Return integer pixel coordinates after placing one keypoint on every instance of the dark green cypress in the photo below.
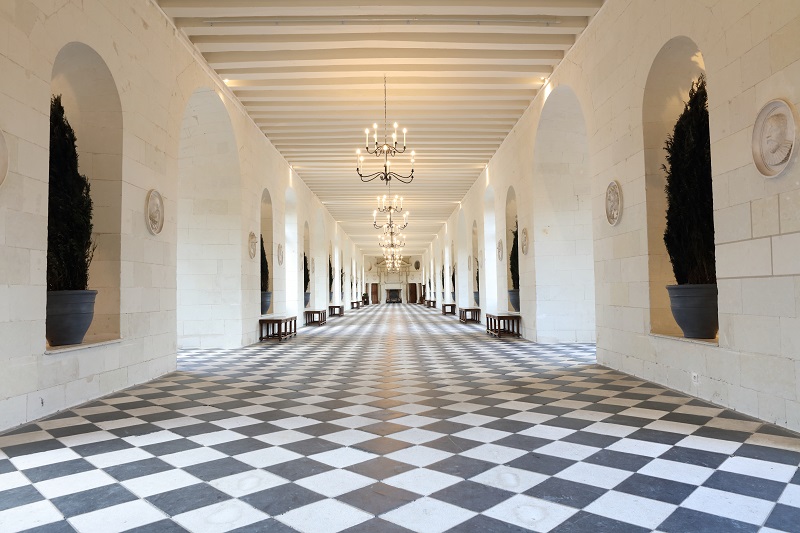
(513, 257)
(689, 235)
(69, 224)
(264, 268)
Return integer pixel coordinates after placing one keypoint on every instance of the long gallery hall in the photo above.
(430, 266)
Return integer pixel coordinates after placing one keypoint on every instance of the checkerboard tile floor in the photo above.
(398, 419)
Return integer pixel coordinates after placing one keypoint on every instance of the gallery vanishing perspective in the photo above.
(585, 214)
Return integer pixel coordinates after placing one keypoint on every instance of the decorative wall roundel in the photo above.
(416, 265)
(312, 265)
(369, 266)
(154, 212)
(280, 254)
(469, 263)
(252, 245)
(613, 203)
(524, 241)
(500, 249)
(774, 137)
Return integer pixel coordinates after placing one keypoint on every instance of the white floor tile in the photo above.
(730, 505)
(639, 447)
(61, 486)
(343, 457)
(348, 437)
(709, 445)
(494, 453)
(594, 475)
(161, 482)
(326, 516)
(416, 436)
(248, 482)
(152, 438)
(510, 479)
(220, 517)
(531, 513)
(757, 468)
(193, 457)
(547, 432)
(28, 516)
(120, 457)
(568, 450)
(287, 436)
(34, 460)
(419, 455)
(422, 481)
(642, 512)
(681, 472)
(117, 518)
(267, 457)
(12, 480)
(481, 434)
(335, 482)
(217, 437)
(428, 515)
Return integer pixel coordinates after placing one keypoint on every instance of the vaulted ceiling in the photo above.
(460, 73)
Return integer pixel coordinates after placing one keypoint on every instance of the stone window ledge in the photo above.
(95, 343)
(704, 342)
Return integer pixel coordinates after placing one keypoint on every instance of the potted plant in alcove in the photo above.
(70, 249)
(453, 284)
(442, 291)
(306, 281)
(330, 279)
(266, 295)
(341, 284)
(365, 298)
(689, 235)
(513, 265)
(477, 293)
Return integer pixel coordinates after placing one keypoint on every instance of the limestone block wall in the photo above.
(155, 75)
(750, 54)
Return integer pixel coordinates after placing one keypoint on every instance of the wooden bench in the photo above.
(277, 327)
(336, 310)
(315, 316)
(448, 309)
(430, 304)
(503, 323)
(355, 304)
(469, 314)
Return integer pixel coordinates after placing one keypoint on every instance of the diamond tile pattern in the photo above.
(398, 419)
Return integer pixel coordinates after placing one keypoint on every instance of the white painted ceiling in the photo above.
(310, 73)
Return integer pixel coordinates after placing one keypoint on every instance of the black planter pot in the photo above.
(365, 300)
(330, 297)
(306, 298)
(442, 295)
(513, 299)
(695, 309)
(477, 296)
(69, 315)
(453, 295)
(266, 301)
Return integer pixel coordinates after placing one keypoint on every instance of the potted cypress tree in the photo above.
(306, 281)
(689, 235)
(341, 285)
(330, 279)
(513, 265)
(70, 249)
(266, 295)
(442, 287)
(453, 284)
(477, 293)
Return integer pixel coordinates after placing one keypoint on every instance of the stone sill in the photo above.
(58, 350)
(704, 342)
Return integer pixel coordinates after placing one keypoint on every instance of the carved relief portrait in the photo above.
(773, 138)
(500, 249)
(154, 212)
(524, 241)
(280, 254)
(252, 245)
(613, 203)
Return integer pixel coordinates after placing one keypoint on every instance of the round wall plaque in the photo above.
(613, 203)
(312, 265)
(252, 245)
(774, 138)
(4, 162)
(280, 254)
(500, 249)
(416, 265)
(524, 241)
(469, 263)
(154, 212)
